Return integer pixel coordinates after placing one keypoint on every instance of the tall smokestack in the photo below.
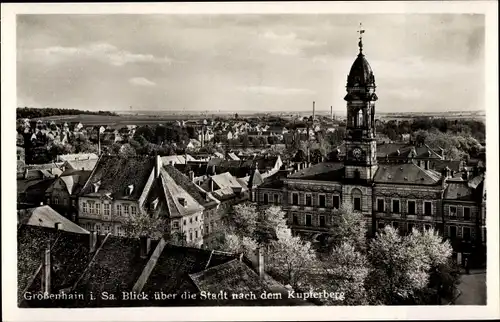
(331, 113)
(314, 110)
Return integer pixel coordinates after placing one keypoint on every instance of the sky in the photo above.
(248, 63)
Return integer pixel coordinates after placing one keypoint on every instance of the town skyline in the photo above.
(248, 62)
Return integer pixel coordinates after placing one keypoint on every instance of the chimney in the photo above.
(92, 241)
(331, 113)
(158, 165)
(213, 170)
(145, 246)
(41, 203)
(191, 175)
(58, 226)
(314, 110)
(46, 273)
(211, 185)
(260, 262)
(25, 173)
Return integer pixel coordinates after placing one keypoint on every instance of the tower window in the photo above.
(359, 119)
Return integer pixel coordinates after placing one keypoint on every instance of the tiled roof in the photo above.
(440, 165)
(325, 171)
(173, 193)
(171, 273)
(407, 173)
(116, 173)
(186, 184)
(69, 257)
(476, 181)
(115, 268)
(45, 216)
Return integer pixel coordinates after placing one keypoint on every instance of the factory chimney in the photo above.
(331, 113)
(313, 111)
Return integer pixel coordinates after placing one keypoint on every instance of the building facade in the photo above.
(406, 194)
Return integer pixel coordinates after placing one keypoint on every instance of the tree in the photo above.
(290, 259)
(345, 271)
(126, 150)
(236, 244)
(243, 219)
(271, 225)
(400, 268)
(348, 227)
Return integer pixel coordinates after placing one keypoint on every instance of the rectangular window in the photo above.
(276, 199)
(133, 210)
(336, 202)
(453, 212)
(175, 224)
(125, 210)
(466, 233)
(380, 224)
(395, 224)
(98, 208)
(428, 208)
(120, 231)
(207, 228)
(72, 202)
(322, 201)
(56, 201)
(410, 228)
(91, 207)
(308, 200)
(308, 220)
(467, 213)
(106, 229)
(84, 206)
(322, 222)
(453, 232)
(190, 236)
(266, 199)
(98, 228)
(119, 210)
(380, 205)
(191, 220)
(357, 203)
(295, 199)
(411, 207)
(295, 219)
(395, 206)
(107, 209)
(184, 222)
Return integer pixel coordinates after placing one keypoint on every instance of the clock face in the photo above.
(356, 153)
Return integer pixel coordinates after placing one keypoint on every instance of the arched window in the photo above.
(359, 119)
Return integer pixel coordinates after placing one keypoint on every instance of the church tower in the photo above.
(361, 147)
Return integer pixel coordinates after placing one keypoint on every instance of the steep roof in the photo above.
(407, 173)
(324, 171)
(45, 216)
(116, 173)
(186, 184)
(361, 73)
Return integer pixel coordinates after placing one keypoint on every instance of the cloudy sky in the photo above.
(247, 62)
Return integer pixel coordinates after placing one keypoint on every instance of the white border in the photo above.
(8, 80)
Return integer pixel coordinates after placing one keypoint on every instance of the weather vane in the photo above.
(361, 31)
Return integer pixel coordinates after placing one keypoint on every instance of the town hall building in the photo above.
(406, 195)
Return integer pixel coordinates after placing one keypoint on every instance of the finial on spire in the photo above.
(361, 31)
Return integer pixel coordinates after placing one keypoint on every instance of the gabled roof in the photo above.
(407, 173)
(116, 173)
(45, 216)
(183, 181)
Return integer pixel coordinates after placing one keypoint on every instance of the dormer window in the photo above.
(97, 185)
(183, 202)
(130, 189)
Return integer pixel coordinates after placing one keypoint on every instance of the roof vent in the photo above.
(406, 178)
(401, 168)
(389, 177)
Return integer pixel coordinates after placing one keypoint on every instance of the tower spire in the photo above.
(361, 31)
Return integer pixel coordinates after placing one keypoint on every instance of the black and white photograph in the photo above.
(176, 159)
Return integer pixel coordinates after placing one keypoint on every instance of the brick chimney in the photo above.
(191, 175)
(58, 226)
(145, 246)
(47, 268)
